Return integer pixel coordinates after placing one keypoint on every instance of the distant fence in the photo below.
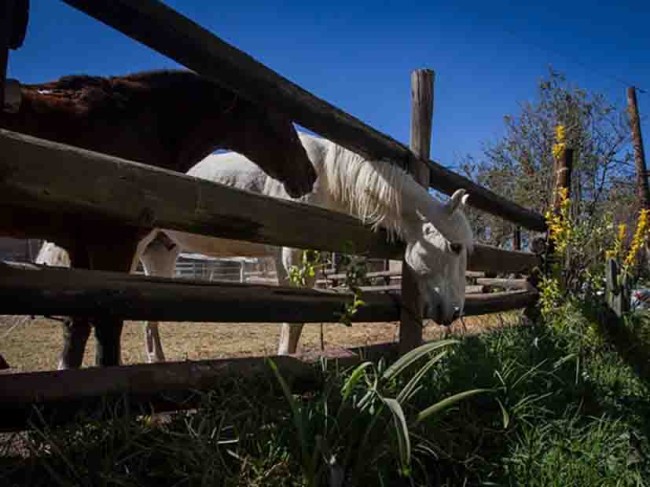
(27, 182)
(237, 269)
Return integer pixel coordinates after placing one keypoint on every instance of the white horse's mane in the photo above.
(373, 191)
(369, 190)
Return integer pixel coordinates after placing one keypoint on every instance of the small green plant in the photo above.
(355, 276)
(310, 262)
(356, 269)
(367, 419)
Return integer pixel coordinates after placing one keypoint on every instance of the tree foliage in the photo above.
(520, 166)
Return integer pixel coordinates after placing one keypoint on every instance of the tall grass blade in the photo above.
(402, 432)
(447, 402)
(504, 415)
(354, 378)
(413, 356)
(406, 393)
(298, 421)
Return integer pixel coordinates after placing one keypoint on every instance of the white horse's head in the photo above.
(438, 242)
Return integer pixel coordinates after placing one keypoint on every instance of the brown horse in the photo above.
(168, 119)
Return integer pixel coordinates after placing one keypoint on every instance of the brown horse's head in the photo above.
(270, 140)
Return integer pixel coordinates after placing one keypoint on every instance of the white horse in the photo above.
(438, 236)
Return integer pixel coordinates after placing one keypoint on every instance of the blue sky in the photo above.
(488, 56)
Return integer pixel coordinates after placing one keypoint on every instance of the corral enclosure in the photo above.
(170, 201)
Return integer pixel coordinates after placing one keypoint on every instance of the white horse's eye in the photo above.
(456, 248)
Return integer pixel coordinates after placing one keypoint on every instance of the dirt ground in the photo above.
(34, 344)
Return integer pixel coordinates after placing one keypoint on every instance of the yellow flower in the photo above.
(639, 239)
(617, 251)
(559, 224)
(560, 142)
(622, 230)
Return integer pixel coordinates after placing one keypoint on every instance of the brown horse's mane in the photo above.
(114, 93)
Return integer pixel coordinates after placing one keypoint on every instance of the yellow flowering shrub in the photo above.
(549, 296)
(638, 241)
(559, 224)
(629, 259)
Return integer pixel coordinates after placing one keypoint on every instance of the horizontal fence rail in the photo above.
(497, 260)
(170, 33)
(504, 283)
(93, 184)
(29, 289)
(71, 292)
(136, 194)
(61, 395)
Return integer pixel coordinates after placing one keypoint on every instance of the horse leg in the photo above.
(76, 330)
(114, 254)
(75, 335)
(108, 332)
(158, 260)
(290, 332)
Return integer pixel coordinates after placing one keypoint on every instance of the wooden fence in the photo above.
(176, 201)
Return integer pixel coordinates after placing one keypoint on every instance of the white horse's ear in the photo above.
(457, 199)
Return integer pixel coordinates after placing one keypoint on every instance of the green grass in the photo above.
(565, 405)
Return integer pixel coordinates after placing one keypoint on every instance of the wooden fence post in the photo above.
(14, 15)
(6, 9)
(617, 290)
(516, 239)
(643, 191)
(563, 170)
(516, 245)
(410, 331)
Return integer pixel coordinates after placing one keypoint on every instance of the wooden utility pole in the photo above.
(617, 289)
(563, 170)
(643, 192)
(410, 332)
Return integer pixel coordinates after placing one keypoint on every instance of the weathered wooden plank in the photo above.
(475, 289)
(61, 395)
(28, 289)
(99, 186)
(391, 274)
(472, 289)
(504, 283)
(474, 274)
(481, 304)
(493, 259)
(340, 275)
(34, 290)
(170, 33)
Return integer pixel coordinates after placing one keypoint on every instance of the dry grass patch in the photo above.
(34, 344)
